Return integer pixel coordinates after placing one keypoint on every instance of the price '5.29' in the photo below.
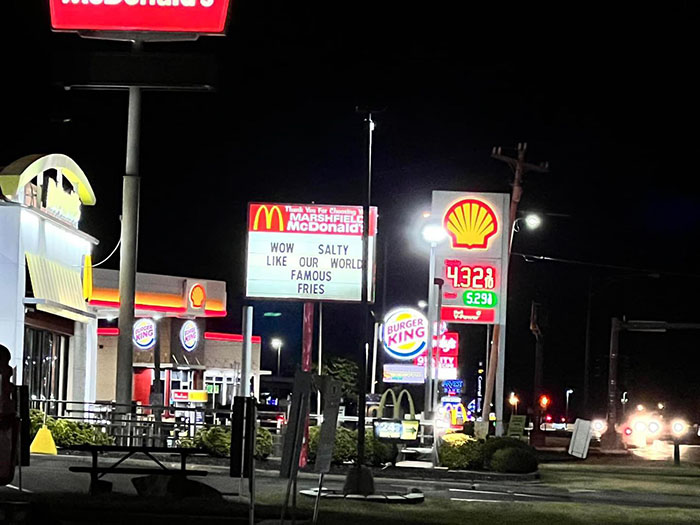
(483, 299)
(475, 277)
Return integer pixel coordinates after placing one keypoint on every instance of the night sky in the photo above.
(606, 95)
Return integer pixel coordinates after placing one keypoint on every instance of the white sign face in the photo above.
(144, 334)
(405, 333)
(407, 374)
(189, 335)
(473, 262)
(300, 251)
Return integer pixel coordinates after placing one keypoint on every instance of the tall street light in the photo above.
(277, 345)
(569, 391)
(531, 220)
(513, 400)
(432, 233)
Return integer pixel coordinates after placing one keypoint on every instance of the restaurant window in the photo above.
(45, 368)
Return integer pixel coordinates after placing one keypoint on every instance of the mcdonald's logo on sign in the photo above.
(272, 215)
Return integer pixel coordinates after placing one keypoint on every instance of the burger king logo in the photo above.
(144, 334)
(404, 333)
(189, 335)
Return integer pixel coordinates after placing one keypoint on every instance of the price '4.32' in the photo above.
(476, 277)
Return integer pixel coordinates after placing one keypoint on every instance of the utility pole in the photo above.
(536, 324)
(496, 368)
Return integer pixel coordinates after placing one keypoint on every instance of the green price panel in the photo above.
(481, 299)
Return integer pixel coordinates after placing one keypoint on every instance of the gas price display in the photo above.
(475, 277)
(471, 290)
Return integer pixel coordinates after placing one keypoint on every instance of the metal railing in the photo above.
(137, 425)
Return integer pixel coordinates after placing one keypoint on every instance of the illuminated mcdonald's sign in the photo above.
(269, 214)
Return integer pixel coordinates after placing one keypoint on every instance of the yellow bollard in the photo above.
(43, 442)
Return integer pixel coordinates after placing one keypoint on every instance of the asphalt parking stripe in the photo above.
(475, 500)
(474, 491)
(17, 488)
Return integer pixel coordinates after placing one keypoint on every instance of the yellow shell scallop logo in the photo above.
(470, 223)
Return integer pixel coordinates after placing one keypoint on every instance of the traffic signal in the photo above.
(544, 401)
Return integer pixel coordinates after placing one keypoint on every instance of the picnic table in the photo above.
(97, 471)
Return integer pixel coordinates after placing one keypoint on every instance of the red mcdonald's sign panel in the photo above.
(168, 16)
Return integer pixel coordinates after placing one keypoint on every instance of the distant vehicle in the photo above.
(642, 428)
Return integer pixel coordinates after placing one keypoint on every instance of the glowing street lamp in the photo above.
(531, 220)
(514, 400)
(277, 345)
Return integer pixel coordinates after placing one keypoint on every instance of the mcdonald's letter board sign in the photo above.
(473, 261)
(308, 252)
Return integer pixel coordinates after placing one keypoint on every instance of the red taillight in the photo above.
(548, 418)
(627, 431)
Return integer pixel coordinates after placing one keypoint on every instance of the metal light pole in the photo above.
(277, 345)
(428, 404)
(569, 391)
(432, 233)
(359, 479)
(129, 250)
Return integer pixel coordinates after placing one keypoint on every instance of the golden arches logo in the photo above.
(269, 216)
(396, 403)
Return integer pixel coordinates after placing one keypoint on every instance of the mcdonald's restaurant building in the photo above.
(44, 319)
(58, 315)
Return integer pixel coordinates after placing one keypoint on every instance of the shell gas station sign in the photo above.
(308, 252)
(473, 262)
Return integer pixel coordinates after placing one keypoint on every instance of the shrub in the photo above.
(66, 432)
(377, 452)
(492, 445)
(459, 451)
(514, 460)
(263, 443)
(345, 448)
(215, 440)
(314, 437)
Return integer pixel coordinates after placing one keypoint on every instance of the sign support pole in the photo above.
(244, 387)
(319, 418)
(129, 249)
(373, 380)
(307, 343)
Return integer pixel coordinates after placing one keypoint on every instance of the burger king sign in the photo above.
(404, 333)
(144, 334)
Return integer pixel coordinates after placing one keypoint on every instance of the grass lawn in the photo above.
(660, 478)
(442, 511)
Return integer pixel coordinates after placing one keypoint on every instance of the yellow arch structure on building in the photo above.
(17, 175)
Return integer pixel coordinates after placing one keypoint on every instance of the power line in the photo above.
(530, 257)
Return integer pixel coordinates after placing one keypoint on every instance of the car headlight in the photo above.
(654, 427)
(679, 427)
(598, 425)
(640, 427)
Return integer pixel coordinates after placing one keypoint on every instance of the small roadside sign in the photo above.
(516, 426)
(580, 439)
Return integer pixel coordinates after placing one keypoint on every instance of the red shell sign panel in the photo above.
(164, 16)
